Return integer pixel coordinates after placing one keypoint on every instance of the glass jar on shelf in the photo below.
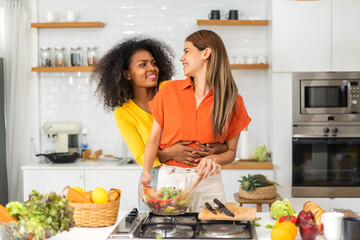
(45, 54)
(75, 56)
(60, 57)
(92, 56)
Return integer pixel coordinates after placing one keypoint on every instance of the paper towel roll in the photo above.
(244, 145)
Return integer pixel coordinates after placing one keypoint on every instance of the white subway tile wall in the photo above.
(70, 96)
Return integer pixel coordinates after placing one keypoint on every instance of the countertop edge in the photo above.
(100, 165)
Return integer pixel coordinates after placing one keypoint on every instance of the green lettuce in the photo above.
(260, 154)
(16, 209)
(281, 208)
(42, 215)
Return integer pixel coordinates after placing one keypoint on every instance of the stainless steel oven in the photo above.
(326, 135)
(326, 161)
(326, 96)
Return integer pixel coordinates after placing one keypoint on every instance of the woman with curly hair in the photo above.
(127, 77)
(205, 107)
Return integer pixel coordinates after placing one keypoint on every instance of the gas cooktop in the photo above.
(148, 225)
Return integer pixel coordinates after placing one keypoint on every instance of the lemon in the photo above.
(79, 189)
(99, 195)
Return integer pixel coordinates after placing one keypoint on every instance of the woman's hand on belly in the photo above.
(180, 153)
(211, 148)
(208, 167)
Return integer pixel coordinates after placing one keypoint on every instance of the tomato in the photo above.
(147, 190)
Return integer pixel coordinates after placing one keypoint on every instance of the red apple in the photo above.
(308, 229)
(304, 215)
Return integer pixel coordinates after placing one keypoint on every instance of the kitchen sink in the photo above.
(124, 161)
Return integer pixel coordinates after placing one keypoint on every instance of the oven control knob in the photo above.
(354, 102)
(335, 130)
(129, 219)
(326, 130)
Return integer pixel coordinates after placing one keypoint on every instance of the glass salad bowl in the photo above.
(168, 200)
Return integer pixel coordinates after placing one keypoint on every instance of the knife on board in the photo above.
(223, 209)
(208, 206)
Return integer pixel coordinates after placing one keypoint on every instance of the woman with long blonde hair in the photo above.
(205, 107)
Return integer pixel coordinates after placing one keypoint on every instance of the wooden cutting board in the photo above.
(241, 213)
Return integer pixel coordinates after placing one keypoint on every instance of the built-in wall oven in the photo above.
(326, 135)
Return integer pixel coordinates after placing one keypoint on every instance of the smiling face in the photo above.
(193, 60)
(143, 72)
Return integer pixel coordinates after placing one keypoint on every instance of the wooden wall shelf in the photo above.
(63, 69)
(232, 22)
(247, 164)
(68, 25)
(249, 66)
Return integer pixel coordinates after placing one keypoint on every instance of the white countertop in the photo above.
(102, 233)
(80, 165)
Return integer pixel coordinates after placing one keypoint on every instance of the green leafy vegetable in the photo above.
(16, 209)
(42, 215)
(162, 201)
(269, 226)
(280, 208)
(260, 153)
(256, 224)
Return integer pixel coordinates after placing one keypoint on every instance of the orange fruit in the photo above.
(291, 227)
(280, 234)
(88, 195)
(114, 194)
(79, 189)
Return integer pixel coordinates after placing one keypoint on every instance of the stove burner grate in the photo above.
(166, 230)
(223, 230)
(187, 226)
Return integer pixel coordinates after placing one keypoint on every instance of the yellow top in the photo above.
(135, 125)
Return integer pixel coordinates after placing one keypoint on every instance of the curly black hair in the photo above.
(109, 74)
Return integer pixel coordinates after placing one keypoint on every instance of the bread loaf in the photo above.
(317, 212)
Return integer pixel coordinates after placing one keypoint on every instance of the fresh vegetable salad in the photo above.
(166, 200)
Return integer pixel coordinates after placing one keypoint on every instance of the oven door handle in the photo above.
(347, 141)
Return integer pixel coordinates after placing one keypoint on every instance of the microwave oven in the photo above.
(326, 96)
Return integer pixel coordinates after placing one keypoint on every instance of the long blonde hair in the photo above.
(219, 78)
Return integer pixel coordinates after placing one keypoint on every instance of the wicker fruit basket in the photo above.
(95, 214)
(267, 192)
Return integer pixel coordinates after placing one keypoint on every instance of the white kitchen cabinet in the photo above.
(301, 35)
(48, 180)
(127, 180)
(345, 35)
(315, 36)
(88, 175)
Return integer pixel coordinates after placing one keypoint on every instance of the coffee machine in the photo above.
(65, 134)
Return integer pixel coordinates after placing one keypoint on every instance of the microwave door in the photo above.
(324, 96)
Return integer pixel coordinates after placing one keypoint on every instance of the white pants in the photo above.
(208, 189)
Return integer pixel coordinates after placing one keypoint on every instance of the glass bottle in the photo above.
(75, 56)
(45, 57)
(92, 56)
(60, 57)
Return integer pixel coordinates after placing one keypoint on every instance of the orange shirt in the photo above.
(174, 109)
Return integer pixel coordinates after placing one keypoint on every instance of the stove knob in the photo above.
(335, 130)
(134, 210)
(129, 219)
(326, 130)
(133, 214)
(354, 102)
